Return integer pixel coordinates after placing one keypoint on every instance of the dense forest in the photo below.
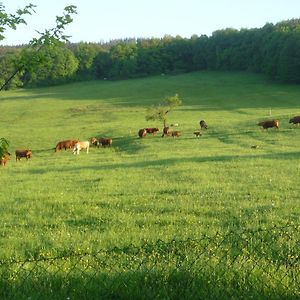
(273, 50)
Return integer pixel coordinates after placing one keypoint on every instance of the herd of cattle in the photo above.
(77, 145)
(168, 131)
(19, 153)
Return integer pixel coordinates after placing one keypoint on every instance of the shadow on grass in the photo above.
(41, 151)
(172, 161)
(132, 144)
(243, 264)
(137, 284)
(121, 144)
(142, 91)
(127, 144)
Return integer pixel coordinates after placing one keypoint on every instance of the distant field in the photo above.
(153, 188)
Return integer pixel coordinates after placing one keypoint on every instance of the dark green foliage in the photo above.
(3, 146)
(102, 64)
(149, 58)
(289, 59)
(49, 65)
(272, 50)
(8, 64)
(124, 60)
(85, 54)
(200, 52)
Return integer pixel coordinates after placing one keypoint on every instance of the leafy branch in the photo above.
(50, 37)
(12, 20)
(55, 35)
(3, 146)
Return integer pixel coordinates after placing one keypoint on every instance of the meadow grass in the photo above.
(144, 190)
(152, 188)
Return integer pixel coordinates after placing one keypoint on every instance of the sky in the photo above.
(105, 20)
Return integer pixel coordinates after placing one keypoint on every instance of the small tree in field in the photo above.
(161, 111)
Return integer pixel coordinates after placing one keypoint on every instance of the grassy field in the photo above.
(154, 188)
(144, 190)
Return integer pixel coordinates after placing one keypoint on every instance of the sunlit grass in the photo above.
(153, 188)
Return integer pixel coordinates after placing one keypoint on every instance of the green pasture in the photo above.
(144, 190)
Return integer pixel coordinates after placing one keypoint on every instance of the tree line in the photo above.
(273, 50)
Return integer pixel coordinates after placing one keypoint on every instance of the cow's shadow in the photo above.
(172, 161)
(130, 145)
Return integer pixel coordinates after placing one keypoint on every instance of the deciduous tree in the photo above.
(161, 111)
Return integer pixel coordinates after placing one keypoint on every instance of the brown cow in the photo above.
(203, 124)
(152, 130)
(67, 144)
(269, 124)
(94, 142)
(142, 133)
(23, 153)
(176, 134)
(295, 120)
(102, 141)
(167, 131)
(105, 142)
(6, 156)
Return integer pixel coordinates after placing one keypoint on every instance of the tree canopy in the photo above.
(271, 50)
(161, 111)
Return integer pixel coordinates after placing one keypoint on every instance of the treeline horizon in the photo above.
(273, 50)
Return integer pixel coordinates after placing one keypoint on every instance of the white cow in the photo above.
(81, 145)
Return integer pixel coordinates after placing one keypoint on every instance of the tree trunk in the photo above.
(165, 125)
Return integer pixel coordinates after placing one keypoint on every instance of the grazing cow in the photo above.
(203, 124)
(197, 133)
(142, 133)
(176, 134)
(269, 124)
(295, 120)
(167, 131)
(105, 142)
(6, 156)
(94, 142)
(67, 144)
(81, 145)
(23, 153)
(152, 130)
